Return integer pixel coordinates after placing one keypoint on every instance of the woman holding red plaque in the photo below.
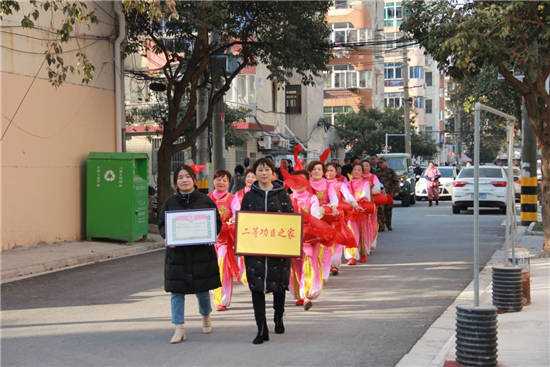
(226, 253)
(360, 189)
(306, 278)
(249, 178)
(267, 274)
(327, 197)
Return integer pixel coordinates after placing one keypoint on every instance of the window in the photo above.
(393, 14)
(392, 40)
(341, 4)
(416, 72)
(242, 90)
(429, 106)
(345, 76)
(418, 102)
(293, 99)
(393, 100)
(347, 33)
(330, 113)
(393, 70)
(178, 159)
(428, 79)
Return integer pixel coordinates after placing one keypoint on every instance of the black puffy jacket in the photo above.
(190, 269)
(267, 274)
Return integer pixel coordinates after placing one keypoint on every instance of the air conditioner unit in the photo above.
(264, 142)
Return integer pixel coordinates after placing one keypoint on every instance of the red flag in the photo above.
(298, 164)
(196, 168)
(323, 157)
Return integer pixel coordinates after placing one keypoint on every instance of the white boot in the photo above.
(179, 335)
(206, 324)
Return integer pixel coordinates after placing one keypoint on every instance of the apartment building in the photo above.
(426, 85)
(355, 75)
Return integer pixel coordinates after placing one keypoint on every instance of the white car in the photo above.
(448, 174)
(517, 181)
(493, 192)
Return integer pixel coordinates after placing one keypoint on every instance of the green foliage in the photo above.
(74, 13)
(489, 90)
(364, 133)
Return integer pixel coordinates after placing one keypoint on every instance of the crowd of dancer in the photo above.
(340, 219)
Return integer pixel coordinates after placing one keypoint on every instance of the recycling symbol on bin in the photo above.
(109, 176)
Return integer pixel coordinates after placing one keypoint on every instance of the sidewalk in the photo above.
(21, 263)
(523, 337)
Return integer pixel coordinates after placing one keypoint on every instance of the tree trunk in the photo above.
(164, 173)
(545, 194)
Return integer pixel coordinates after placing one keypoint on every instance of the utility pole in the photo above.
(218, 125)
(457, 135)
(202, 140)
(406, 106)
(529, 184)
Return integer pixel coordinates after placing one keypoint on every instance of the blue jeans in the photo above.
(178, 306)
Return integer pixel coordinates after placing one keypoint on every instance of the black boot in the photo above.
(263, 334)
(436, 201)
(430, 203)
(279, 326)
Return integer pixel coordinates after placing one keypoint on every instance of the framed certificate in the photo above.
(268, 234)
(190, 227)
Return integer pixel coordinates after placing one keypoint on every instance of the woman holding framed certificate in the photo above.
(190, 267)
(267, 274)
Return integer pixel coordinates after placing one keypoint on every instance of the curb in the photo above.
(16, 274)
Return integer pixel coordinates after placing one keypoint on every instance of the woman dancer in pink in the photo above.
(226, 253)
(343, 194)
(375, 188)
(362, 228)
(306, 279)
(327, 197)
(249, 178)
(432, 175)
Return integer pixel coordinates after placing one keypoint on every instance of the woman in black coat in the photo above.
(189, 269)
(267, 274)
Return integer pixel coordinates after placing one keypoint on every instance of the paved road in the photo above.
(116, 313)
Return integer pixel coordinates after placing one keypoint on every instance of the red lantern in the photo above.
(368, 207)
(380, 199)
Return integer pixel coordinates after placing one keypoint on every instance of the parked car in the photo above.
(448, 174)
(517, 181)
(493, 192)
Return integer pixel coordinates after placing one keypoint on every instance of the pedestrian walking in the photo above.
(225, 250)
(432, 176)
(267, 274)
(237, 181)
(189, 269)
(388, 178)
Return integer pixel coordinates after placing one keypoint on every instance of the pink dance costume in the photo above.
(225, 251)
(364, 230)
(343, 194)
(235, 207)
(306, 279)
(327, 196)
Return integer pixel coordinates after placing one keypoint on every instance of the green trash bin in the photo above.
(117, 196)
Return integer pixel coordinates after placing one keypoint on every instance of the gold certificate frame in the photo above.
(268, 234)
(191, 227)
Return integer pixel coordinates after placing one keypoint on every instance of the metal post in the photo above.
(202, 140)
(476, 204)
(386, 146)
(511, 196)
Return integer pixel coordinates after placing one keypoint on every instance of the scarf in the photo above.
(219, 194)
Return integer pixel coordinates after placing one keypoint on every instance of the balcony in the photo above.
(393, 83)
